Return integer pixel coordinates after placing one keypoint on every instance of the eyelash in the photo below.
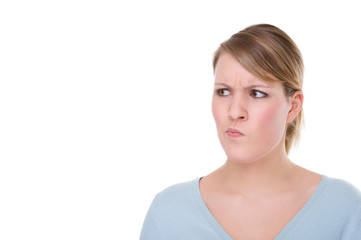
(219, 92)
(256, 91)
(252, 93)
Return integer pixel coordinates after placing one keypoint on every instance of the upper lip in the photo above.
(234, 130)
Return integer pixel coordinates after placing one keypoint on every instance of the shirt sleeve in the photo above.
(357, 229)
(150, 229)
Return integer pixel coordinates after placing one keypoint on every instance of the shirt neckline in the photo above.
(287, 231)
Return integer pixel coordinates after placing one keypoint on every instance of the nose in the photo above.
(237, 108)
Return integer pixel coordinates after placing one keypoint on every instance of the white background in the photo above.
(105, 103)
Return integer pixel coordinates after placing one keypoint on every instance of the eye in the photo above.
(223, 92)
(258, 94)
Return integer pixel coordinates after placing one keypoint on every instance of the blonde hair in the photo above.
(270, 54)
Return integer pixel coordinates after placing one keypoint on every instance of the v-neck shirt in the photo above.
(179, 213)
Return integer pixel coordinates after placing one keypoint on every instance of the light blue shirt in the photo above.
(179, 213)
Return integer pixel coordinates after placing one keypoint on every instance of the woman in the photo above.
(258, 193)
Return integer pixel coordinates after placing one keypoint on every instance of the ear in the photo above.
(296, 102)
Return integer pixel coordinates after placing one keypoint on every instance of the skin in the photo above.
(258, 190)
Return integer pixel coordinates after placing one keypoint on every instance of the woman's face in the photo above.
(250, 114)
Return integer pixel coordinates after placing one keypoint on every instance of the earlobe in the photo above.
(296, 106)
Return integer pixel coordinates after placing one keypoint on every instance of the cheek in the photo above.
(273, 119)
(216, 110)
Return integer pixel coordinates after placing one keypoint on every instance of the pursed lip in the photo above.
(234, 132)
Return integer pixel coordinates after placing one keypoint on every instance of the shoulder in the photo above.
(172, 213)
(342, 192)
(345, 199)
(333, 212)
(175, 199)
(341, 203)
(176, 190)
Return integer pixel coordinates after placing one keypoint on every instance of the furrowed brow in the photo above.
(256, 86)
(223, 84)
(247, 88)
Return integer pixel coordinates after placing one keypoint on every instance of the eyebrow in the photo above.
(248, 87)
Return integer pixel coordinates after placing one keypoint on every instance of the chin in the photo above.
(246, 155)
(242, 157)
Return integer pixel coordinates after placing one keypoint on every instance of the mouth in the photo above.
(234, 133)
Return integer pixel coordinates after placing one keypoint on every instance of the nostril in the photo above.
(238, 115)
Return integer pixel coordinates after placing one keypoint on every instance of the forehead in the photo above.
(228, 70)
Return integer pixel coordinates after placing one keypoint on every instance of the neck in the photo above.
(264, 176)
